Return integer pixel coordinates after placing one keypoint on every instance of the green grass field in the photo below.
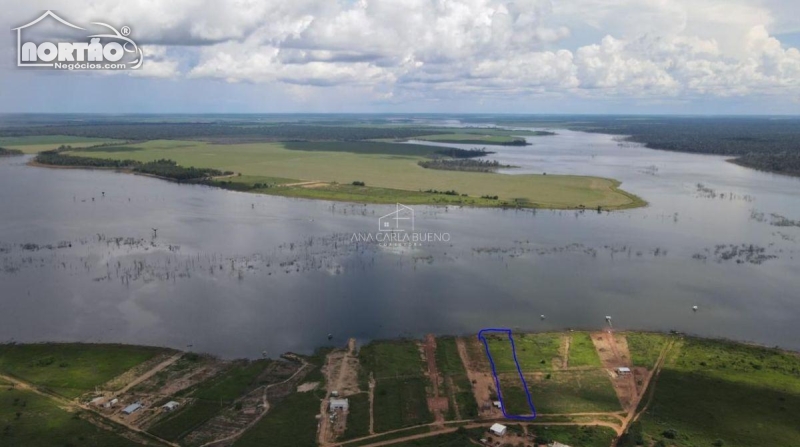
(721, 393)
(645, 347)
(574, 436)
(30, 420)
(390, 171)
(401, 403)
(582, 351)
(563, 392)
(390, 359)
(357, 417)
(291, 423)
(535, 352)
(71, 369)
(32, 145)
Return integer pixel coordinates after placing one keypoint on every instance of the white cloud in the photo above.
(393, 49)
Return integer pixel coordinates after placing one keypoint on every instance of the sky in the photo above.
(424, 56)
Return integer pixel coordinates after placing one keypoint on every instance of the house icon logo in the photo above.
(401, 219)
(110, 49)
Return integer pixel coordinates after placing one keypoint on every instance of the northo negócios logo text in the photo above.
(106, 50)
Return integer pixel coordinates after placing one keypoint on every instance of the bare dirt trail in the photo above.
(152, 372)
(482, 382)
(612, 357)
(633, 415)
(371, 404)
(341, 373)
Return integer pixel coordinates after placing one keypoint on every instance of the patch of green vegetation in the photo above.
(388, 359)
(574, 435)
(233, 383)
(582, 351)
(71, 369)
(448, 361)
(401, 403)
(535, 352)
(182, 422)
(357, 417)
(645, 347)
(28, 419)
(579, 391)
(292, 423)
(712, 391)
(4, 152)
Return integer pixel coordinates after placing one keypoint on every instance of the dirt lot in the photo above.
(614, 355)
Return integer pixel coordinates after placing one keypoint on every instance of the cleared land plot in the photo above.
(456, 382)
(645, 347)
(31, 145)
(292, 423)
(390, 359)
(401, 403)
(72, 369)
(357, 417)
(386, 166)
(28, 419)
(535, 352)
(582, 351)
(209, 398)
(574, 391)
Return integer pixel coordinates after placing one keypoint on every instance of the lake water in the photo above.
(237, 274)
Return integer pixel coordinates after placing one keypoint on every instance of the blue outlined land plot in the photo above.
(508, 393)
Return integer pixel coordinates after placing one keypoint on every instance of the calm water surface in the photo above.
(236, 274)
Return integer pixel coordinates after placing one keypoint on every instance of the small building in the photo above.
(623, 370)
(498, 429)
(497, 404)
(170, 406)
(111, 403)
(132, 408)
(339, 404)
(99, 401)
(335, 393)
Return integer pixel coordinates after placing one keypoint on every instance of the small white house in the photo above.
(623, 370)
(498, 429)
(170, 406)
(497, 404)
(339, 404)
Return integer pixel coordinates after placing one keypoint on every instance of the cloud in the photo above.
(392, 49)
